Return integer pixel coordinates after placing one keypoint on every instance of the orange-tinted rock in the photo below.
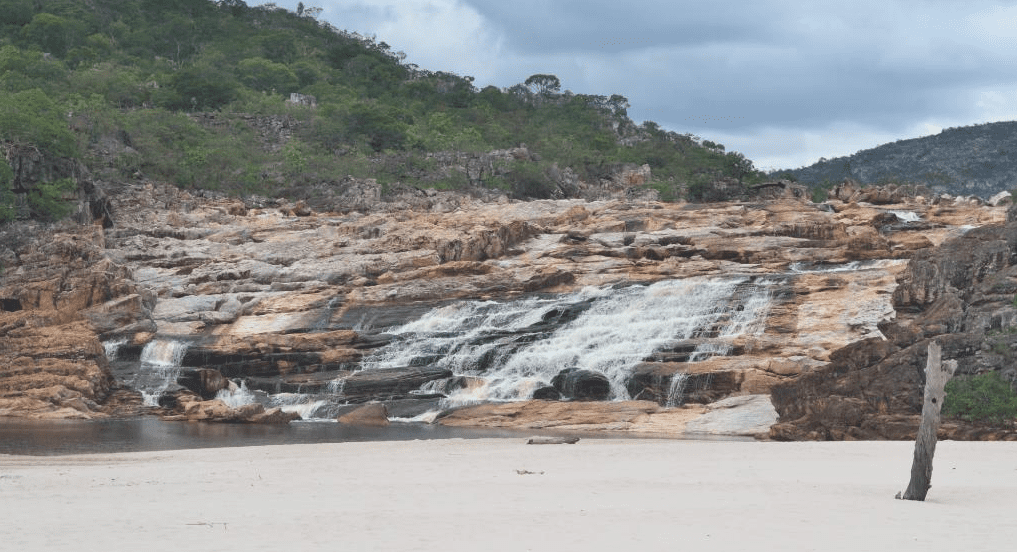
(374, 414)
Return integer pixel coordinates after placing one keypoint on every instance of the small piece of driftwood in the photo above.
(552, 440)
(937, 373)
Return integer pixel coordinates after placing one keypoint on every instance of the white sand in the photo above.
(449, 495)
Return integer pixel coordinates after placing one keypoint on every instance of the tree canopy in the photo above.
(78, 76)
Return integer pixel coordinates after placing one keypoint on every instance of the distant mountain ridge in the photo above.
(972, 160)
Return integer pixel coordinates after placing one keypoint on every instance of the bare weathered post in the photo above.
(937, 373)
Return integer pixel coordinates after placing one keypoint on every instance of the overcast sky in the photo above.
(784, 82)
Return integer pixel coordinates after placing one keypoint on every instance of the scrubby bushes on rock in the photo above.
(984, 397)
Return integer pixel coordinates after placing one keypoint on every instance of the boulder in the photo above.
(374, 414)
(582, 385)
(193, 409)
(745, 415)
(206, 382)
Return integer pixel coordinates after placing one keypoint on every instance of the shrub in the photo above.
(47, 199)
(7, 210)
(985, 397)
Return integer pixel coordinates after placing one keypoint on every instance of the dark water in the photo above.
(46, 438)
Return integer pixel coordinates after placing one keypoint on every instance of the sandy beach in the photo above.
(501, 494)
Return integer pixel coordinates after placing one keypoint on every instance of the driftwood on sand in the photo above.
(552, 440)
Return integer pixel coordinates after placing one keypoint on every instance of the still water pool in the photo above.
(45, 438)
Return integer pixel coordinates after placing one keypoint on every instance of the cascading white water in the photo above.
(800, 267)
(112, 347)
(309, 407)
(236, 397)
(676, 390)
(164, 352)
(160, 368)
(512, 349)
(453, 336)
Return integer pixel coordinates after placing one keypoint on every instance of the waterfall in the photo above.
(235, 397)
(160, 368)
(676, 391)
(516, 347)
(164, 352)
(112, 347)
(307, 406)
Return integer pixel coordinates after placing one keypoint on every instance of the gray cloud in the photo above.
(783, 81)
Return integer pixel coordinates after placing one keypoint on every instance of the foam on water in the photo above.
(236, 397)
(427, 418)
(309, 407)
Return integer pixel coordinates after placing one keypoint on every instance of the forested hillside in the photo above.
(973, 160)
(196, 93)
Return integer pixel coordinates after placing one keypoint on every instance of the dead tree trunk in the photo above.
(937, 373)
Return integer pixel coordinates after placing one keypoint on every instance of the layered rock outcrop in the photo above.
(960, 295)
(283, 299)
(60, 295)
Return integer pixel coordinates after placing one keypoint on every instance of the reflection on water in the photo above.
(43, 438)
(58, 437)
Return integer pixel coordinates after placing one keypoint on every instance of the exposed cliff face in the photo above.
(59, 296)
(960, 295)
(282, 298)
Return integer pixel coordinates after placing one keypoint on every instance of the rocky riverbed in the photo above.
(622, 314)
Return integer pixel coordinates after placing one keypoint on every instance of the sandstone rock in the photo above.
(193, 409)
(295, 303)
(747, 415)
(609, 416)
(374, 414)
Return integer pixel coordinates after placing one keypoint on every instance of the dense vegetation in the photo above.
(972, 160)
(174, 90)
(984, 398)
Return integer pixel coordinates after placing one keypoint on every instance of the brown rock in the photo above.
(374, 414)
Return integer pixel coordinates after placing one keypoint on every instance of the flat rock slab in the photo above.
(745, 415)
(615, 416)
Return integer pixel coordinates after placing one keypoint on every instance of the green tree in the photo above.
(543, 85)
(383, 127)
(266, 76)
(7, 211)
(31, 118)
(52, 33)
(26, 69)
(738, 166)
(17, 13)
(202, 86)
(47, 200)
